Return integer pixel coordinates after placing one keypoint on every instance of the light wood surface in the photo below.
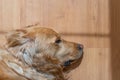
(84, 21)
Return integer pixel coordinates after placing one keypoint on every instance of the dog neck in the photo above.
(24, 70)
(36, 68)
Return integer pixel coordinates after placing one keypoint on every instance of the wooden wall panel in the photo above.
(70, 17)
(83, 21)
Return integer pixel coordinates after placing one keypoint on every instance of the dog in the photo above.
(38, 53)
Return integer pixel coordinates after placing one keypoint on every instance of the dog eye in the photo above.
(58, 41)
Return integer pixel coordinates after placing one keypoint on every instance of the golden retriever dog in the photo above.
(38, 53)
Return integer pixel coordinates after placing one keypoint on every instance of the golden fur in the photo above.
(38, 53)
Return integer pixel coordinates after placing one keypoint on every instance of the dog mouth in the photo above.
(72, 61)
(72, 64)
(68, 62)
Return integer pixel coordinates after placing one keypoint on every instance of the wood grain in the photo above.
(84, 21)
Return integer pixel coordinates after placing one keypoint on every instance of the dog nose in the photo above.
(80, 47)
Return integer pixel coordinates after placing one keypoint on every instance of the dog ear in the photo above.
(26, 52)
(22, 44)
(15, 38)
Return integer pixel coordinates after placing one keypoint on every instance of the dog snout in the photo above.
(80, 47)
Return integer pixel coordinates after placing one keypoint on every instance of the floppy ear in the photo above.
(26, 52)
(15, 38)
(22, 44)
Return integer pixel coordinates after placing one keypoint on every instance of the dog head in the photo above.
(33, 44)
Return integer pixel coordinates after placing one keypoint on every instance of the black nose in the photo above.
(80, 47)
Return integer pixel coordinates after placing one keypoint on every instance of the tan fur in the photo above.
(33, 54)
